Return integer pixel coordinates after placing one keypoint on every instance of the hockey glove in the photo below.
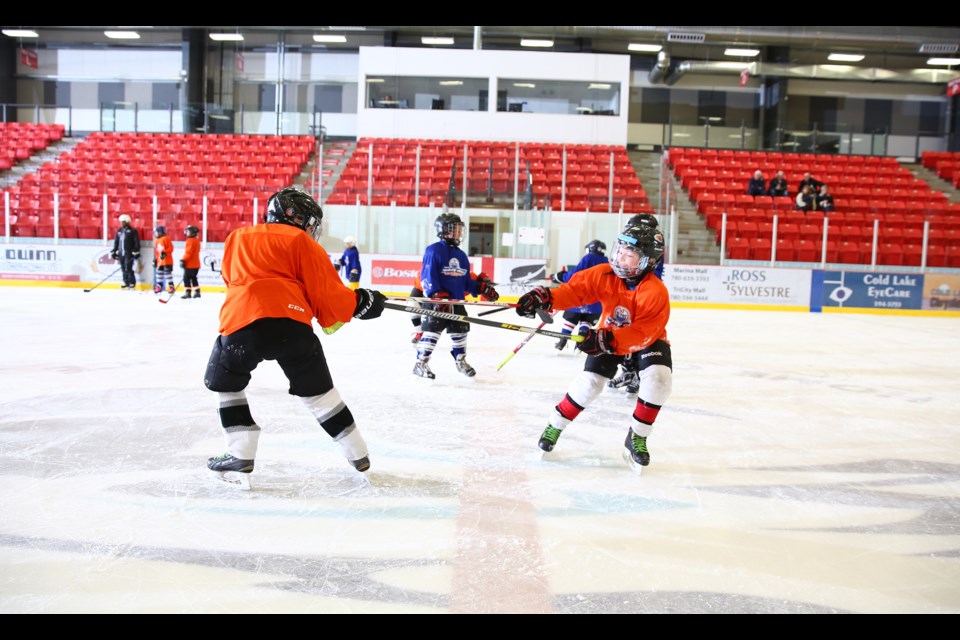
(558, 276)
(136, 255)
(113, 255)
(183, 264)
(596, 342)
(443, 308)
(163, 255)
(486, 289)
(536, 298)
(369, 304)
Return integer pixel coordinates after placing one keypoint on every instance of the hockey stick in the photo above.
(172, 293)
(102, 281)
(544, 316)
(489, 311)
(520, 346)
(488, 323)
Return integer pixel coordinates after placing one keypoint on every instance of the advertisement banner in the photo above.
(28, 58)
(941, 292)
(739, 286)
(515, 276)
(393, 273)
(859, 290)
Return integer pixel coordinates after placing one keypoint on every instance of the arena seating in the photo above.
(386, 169)
(178, 169)
(945, 164)
(868, 191)
(20, 140)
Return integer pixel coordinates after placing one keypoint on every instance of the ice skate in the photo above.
(549, 437)
(196, 293)
(561, 343)
(187, 296)
(635, 451)
(625, 379)
(362, 464)
(157, 289)
(422, 369)
(232, 470)
(633, 388)
(171, 289)
(463, 367)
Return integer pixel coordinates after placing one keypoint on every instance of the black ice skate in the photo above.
(561, 343)
(231, 470)
(196, 293)
(362, 464)
(635, 450)
(549, 437)
(626, 379)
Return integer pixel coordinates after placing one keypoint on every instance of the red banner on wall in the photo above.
(239, 61)
(402, 272)
(953, 87)
(28, 58)
(744, 76)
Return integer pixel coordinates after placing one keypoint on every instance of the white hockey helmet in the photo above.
(350, 241)
(125, 218)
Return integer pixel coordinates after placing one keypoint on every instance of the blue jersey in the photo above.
(446, 269)
(351, 260)
(588, 260)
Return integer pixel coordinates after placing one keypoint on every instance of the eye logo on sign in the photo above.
(841, 294)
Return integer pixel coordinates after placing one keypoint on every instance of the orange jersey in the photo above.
(637, 318)
(279, 271)
(163, 245)
(191, 253)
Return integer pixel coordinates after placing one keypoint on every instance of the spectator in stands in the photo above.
(813, 182)
(778, 185)
(806, 200)
(825, 199)
(757, 185)
(126, 249)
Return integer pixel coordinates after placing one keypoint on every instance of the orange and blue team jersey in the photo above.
(278, 271)
(163, 246)
(191, 254)
(637, 317)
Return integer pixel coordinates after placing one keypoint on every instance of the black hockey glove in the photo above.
(536, 298)
(558, 276)
(596, 342)
(163, 255)
(183, 264)
(369, 304)
(113, 255)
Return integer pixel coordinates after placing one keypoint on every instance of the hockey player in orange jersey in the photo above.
(190, 263)
(636, 308)
(162, 260)
(278, 280)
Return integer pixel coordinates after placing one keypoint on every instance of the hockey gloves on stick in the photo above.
(369, 304)
(536, 298)
(485, 288)
(596, 341)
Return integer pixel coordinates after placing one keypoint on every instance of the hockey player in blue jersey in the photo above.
(588, 313)
(445, 273)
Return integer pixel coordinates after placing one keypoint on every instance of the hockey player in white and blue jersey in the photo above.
(445, 273)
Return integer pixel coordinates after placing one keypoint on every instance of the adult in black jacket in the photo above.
(778, 185)
(126, 249)
(813, 182)
(825, 199)
(757, 185)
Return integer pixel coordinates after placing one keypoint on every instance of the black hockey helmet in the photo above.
(641, 220)
(160, 231)
(449, 228)
(297, 208)
(191, 231)
(595, 246)
(637, 251)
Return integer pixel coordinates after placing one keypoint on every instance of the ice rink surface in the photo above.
(805, 463)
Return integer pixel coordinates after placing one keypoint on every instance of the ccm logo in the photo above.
(296, 308)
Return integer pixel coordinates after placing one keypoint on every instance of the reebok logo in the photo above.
(652, 353)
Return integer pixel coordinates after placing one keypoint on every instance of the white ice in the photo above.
(804, 463)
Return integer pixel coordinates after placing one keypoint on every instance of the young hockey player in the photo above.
(162, 260)
(636, 308)
(190, 263)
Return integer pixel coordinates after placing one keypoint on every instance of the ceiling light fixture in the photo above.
(436, 40)
(122, 35)
(598, 85)
(527, 85)
(651, 48)
(945, 61)
(527, 42)
(369, 80)
(226, 37)
(845, 57)
(21, 33)
(340, 39)
(451, 83)
(743, 53)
